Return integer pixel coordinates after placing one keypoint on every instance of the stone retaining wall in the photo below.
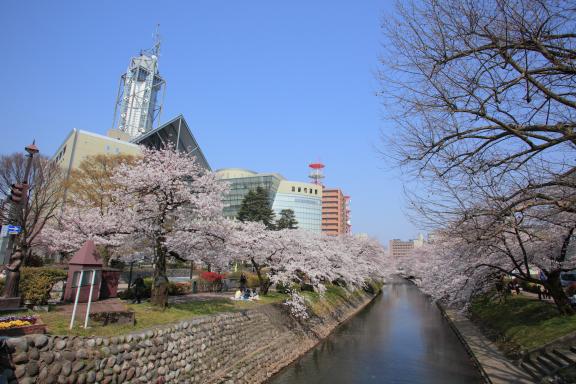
(239, 347)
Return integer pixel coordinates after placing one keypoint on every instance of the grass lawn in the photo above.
(148, 317)
(522, 322)
(333, 297)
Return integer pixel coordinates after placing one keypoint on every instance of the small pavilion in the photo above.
(86, 261)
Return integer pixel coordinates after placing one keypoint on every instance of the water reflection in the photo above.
(399, 338)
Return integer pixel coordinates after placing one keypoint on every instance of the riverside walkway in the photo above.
(495, 367)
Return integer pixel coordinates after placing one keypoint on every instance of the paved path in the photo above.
(204, 296)
(495, 367)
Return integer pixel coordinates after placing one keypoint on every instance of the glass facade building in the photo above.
(304, 199)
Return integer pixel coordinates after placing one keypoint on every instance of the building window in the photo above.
(293, 189)
(299, 189)
(316, 191)
(107, 148)
(305, 190)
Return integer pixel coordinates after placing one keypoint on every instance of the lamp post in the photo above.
(32, 149)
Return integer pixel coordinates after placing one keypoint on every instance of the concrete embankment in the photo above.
(493, 365)
(239, 347)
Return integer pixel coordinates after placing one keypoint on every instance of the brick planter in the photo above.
(38, 327)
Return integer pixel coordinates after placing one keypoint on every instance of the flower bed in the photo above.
(21, 325)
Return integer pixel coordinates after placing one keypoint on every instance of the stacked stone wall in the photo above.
(238, 347)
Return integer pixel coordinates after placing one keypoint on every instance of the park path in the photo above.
(107, 305)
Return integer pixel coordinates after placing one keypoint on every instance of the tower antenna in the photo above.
(138, 106)
(157, 41)
(316, 172)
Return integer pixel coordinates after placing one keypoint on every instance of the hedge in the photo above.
(36, 283)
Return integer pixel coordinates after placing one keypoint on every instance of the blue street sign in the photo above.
(14, 229)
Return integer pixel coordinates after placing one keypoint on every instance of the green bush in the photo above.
(36, 283)
(528, 287)
(252, 280)
(282, 288)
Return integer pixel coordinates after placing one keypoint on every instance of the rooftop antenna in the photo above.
(316, 172)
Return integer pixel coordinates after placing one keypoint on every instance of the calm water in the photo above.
(400, 338)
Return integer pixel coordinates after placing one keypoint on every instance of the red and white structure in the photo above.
(316, 173)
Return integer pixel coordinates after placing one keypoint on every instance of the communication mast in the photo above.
(316, 172)
(137, 99)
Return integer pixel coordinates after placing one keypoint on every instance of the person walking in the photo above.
(540, 292)
(243, 281)
(139, 288)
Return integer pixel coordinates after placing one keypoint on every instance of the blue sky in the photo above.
(264, 85)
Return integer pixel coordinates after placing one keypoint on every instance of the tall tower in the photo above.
(316, 172)
(137, 99)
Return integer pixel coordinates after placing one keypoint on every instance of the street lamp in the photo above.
(32, 149)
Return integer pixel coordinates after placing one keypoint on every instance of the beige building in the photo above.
(79, 144)
(335, 213)
(399, 248)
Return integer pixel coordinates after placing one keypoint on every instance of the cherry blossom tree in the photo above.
(315, 259)
(164, 201)
(255, 243)
(471, 255)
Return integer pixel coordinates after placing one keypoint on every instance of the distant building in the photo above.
(305, 199)
(335, 212)
(80, 144)
(399, 248)
(419, 242)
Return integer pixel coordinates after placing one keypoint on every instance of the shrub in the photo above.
(283, 288)
(179, 289)
(528, 287)
(212, 281)
(252, 280)
(36, 283)
(212, 277)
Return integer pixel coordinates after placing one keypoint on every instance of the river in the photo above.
(399, 338)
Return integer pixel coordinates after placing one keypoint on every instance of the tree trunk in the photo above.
(159, 295)
(263, 282)
(554, 286)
